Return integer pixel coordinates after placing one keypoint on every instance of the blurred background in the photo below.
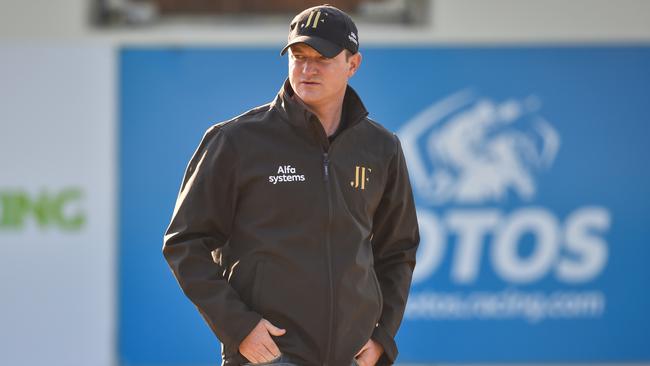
(524, 122)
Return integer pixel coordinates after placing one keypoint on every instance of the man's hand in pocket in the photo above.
(258, 346)
(369, 354)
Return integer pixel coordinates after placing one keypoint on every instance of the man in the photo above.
(295, 231)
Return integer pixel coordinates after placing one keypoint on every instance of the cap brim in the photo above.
(324, 47)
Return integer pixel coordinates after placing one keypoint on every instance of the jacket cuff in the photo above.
(390, 347)
(242, 327)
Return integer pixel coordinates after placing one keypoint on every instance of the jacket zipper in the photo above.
(328, 248)
(328, 258)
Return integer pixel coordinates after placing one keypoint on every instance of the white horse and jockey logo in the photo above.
(466, 156)
(469, 150)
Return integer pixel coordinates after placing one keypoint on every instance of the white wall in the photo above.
(57, 134)
(43, 19)
(589, 20)
(452, 21)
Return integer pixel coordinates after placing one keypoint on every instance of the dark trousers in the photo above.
(283, 360)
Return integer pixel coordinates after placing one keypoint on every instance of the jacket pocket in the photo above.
(380, 297)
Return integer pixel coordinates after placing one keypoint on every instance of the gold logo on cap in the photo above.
(311, 15)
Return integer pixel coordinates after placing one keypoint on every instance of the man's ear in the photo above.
(355, 62)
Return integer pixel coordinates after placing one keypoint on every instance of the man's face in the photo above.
(319, 80)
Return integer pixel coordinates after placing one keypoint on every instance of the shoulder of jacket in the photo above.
(227, 127)
(389, 137)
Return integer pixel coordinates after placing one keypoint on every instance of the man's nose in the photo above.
(309, 67)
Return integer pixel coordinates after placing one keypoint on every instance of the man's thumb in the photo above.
(274, 330)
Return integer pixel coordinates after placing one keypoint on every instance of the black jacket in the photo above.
(272, 221)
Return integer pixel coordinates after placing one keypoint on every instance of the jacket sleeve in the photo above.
(395, 240)
(201, 223)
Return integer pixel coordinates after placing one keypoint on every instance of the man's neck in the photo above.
(329, 117)
(329, 114)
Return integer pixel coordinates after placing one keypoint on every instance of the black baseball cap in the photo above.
(326, 29)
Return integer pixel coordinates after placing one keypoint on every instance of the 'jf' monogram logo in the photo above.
(315, 23)
(360, 177)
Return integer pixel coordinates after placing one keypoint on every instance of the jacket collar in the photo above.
(294, 111)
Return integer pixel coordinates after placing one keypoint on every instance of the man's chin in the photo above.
(308, 97)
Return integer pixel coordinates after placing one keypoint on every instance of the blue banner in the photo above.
(529, 169)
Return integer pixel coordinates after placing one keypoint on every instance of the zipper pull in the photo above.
(326, 162)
